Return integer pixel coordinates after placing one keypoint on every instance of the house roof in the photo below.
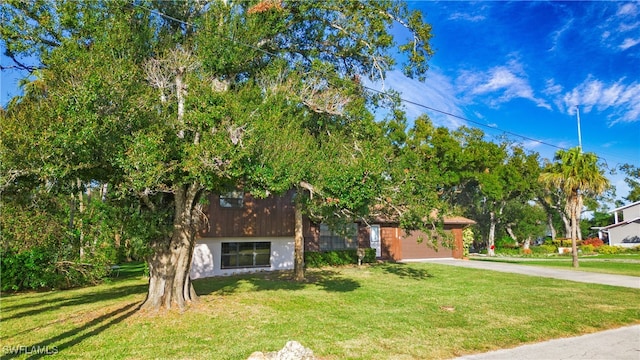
(447, 220)
(624, 222)
(624, 207)
(458, 220)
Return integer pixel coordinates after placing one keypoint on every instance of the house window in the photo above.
(245, 254)
(232, 199)
(341, 239)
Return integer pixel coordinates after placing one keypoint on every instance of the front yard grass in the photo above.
(399, 311)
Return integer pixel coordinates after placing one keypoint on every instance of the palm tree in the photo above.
(577, 174)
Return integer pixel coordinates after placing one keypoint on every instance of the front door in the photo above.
(375, 239)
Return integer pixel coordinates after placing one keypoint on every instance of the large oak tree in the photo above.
(167, 101)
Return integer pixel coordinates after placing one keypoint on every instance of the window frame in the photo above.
(235, 251)
(232, 200)
(330, 240)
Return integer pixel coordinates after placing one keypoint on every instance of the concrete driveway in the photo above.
(571, 275)
(616, 344)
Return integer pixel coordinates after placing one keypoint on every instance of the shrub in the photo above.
(42, 268)
(608, 249)
(506, 242)
(596, 242)
(507, 251)
(544, 249)
(587, 249)
(337, 257)
(29, 269)
(561, 242)
(467, 241)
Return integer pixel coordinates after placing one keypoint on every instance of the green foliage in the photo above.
(41, 268)
(632, 179)
(577, 176)
(608, 249)
(31, 269)
(315, 259)
(587, 248)
(507, 251)
(505, 242)
(467, 240)
(544, 249)
(561, 242)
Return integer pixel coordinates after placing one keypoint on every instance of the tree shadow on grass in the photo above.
(55, 304)
(126, 272)
(328, 280)
(58, 343)
(404, 271)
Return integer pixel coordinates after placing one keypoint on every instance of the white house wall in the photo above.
(207, 255)
(631, 212)
(619, 233)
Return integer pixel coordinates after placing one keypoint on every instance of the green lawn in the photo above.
(414, 311)
(623, 264)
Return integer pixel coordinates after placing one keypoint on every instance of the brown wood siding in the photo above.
(389, 238)
(457, 242)
(273, 216)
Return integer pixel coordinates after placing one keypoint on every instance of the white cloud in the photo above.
(628, 9)
(436, 92)
(622, 99)
(628, 27)
(466, 17)
(619, 31)
(557, 35)
(629, 42)
(551, 88)
(500, 84)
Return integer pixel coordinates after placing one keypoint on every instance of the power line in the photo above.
(487, 126)
(468, 120)
(493, 128)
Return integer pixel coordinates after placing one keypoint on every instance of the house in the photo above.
(248, 234)
(624, 231)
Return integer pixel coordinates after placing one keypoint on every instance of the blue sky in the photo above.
(522, 67)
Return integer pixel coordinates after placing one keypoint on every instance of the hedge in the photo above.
(337, 257)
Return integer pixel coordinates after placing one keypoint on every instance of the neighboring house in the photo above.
(624, 231)
(247, 234)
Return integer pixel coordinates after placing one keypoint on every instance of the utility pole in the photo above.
(579, 135)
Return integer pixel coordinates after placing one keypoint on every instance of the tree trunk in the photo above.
(298, 264)
(511, 234)
(574, 229)
(492, 235)
(103, 192)
(81, 209)
(551, 227)
(567, 225)
(170, 264)
(579, 231)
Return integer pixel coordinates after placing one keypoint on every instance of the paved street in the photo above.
(616, 344)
